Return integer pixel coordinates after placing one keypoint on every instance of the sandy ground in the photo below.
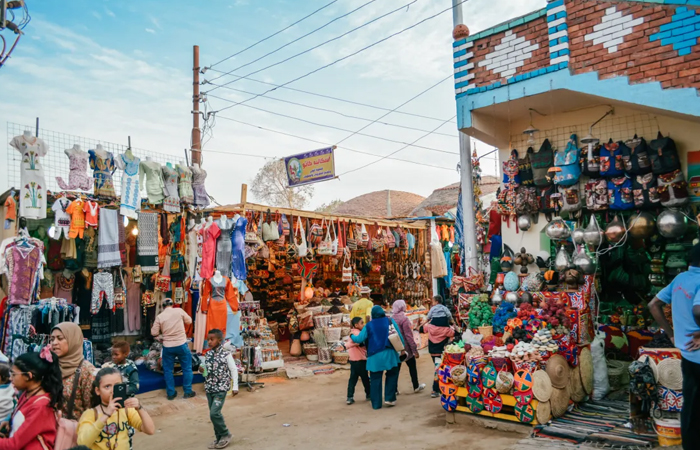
(318, 418)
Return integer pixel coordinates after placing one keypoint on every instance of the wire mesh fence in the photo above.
(56, 162)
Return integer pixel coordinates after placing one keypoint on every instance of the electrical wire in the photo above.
(274, 34)
(351, 102)
(350, 55)
(328, 144)
(340, 129)
(295, 40)
(349, 116)
(322, 43)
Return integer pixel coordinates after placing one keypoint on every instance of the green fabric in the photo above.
(216, 402)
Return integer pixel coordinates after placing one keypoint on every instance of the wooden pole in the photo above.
(196, 150)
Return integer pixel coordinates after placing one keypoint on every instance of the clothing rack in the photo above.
(247, 357)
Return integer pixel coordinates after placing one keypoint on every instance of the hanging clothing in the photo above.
(437, 261)
(61, 218)
(77, 177)
(171, 203)
(131, 194)
(23, 272)
(224, 247)
(215, 297)
(238, 264)
(132, 311)
(199, 176)
(200, 326)
(185, 184)
(91, 210)
(77, 221)
(90, 248)
(63, 287)
(209, 234)
(122, 240)
(191, 250)
(154, 181)
(102, 289)
(108, 239)
(32, 194)
(147, 242)
(102, 170)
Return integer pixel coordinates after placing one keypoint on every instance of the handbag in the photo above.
(351, 241)
(316, 233)
(347, 268)
(67, 428)
(389, 238)
(663, 155)
(568, 169)
(673, 189)
(306, 321)
(270, 230)
(334, 242)
(163, 283)
(325, 247)
(395, 338)
(302, 249)
(251, 232)
(364, 236)
(541, 163)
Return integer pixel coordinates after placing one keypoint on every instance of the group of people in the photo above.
(371, 350)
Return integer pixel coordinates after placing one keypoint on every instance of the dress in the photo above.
(238, 265)
(215, 297)
(172, 198)
(147, 242)
(224, 247)
(77, 177)
(131, 195)
(209, 235)
(102, 170)
(91, 210)
(192, 253)
(23, 266)
(61, 218)
(32, 195)
(199, 176)
(185, 184)
(77, 222)
(154, 181)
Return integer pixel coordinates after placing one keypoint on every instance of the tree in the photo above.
(270, 186)
(330, 206)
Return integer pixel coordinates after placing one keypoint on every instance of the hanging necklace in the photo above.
(116, 431)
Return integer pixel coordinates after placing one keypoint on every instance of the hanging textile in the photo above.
(108, 239)
(147, 242)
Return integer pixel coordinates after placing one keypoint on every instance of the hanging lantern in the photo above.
(557, 230)
(577, 235)
(671, 224)
(309, 292)
(562, 261)
(642, 225)
(593, 235)
(584, 262)
(524, 222)
(615, 231)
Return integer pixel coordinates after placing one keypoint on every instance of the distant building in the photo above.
(442, 201)
(375, 204)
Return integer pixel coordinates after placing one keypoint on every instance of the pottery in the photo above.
(593, 235)
(615, 231)
(642, 225)
(524, 222)
(671, 224)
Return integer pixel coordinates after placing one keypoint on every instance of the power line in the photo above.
(338, 128)
(274, 34)
(352, 102)
(349, 116)
(296, 40)
(347, 56)
(328, 144)
(322, 43)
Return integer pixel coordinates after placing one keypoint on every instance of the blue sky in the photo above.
(108, 69)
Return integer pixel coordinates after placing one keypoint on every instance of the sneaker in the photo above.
(350, 401)
(190, 394)
(397, 392)
(434, 395)
(390, 403)
(172, 397)
(419, 388)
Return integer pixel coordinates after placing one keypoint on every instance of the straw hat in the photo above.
(544, 412)
(670, 374)
(578, 394)
(585, 361)
(542, 386)
(558, 371)
(652, 363)
(560, 401)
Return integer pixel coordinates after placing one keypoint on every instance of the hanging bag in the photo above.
(635, 156)
(525, 169)
(251, 232)
(325, 247)
(316, 233)
(390, 238)
(341, 236)
(300, 240)
(673, 189)
(541, 162)
(663, 155)
(335, 242)
(526, 200)
(270, 231)
(347, 268)
(570, 198)
(590, 160)
(510, 170)
(351, 239)
(611, 164)
(364, 236)
(645, 191)
(567, 164)
(597, 195)
(620, 194)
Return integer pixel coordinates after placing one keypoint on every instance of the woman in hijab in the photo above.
(78, 374)
(398, 313)
(381, 357)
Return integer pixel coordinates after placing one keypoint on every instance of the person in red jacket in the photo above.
(33, 424)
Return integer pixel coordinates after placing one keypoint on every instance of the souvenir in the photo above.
(524, 413)
(448, 389)
(489, 376)
(493, 403)
(475, 405)
(593, 235)
(449, 403)
(642, 225)
(671, 224)
(523, 381)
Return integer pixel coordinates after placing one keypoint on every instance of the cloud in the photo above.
(97, 15)
(110, 13)
(150, 30)
(156, 23)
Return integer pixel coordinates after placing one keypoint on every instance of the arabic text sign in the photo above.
(310, 167)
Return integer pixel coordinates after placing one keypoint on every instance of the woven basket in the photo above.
(504, 382)
(312, 357)
(486, 332)
(345, 332)
(670, 374)
(618, 374)
(336, 319)
(341, 357)
(322, 321)
(310, 349)
(325, 355)
(459, 375)
(332, 334)
(314, 309)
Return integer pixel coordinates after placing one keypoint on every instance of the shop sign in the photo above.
(311, 167)
(694, 175)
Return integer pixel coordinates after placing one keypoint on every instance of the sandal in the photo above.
(224, 441)
(213, 444)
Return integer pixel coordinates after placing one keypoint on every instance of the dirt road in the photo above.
(318, 419)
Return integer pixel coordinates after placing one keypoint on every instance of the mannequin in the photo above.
(77, 177)
(129, 154)
(28, 134)
(223, 221)
(101, 151)
(218, 297)
(32, 196)
(217, 277)
(210, 221)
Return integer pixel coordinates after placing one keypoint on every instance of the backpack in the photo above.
(635, 156)
(567, 164)
(570, 198)
(620, 194)
(645, 191)
(506, 202)
(611, 164)
(547, 199)
(67, 427)
(597, 194)
(590, 164)
(526, 200)
(541, 162)
(663, 155)
(525, 169)
(510, 170)
(673, 189)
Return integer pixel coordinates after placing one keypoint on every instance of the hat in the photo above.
(558, 371)
(670, 374)
(543, 412)
(365, 290)
(542, 386)
(578, 394)
(586, 367)
(168, 302)
(560, 401)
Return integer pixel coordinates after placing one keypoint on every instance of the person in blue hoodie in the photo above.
(381, 358)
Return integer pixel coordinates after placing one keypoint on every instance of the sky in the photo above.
(107, 70)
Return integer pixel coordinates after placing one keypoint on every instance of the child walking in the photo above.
(106, 425)
(38, 376)
(358, 362)
(220, 370)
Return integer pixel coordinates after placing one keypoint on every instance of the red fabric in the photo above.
(209, 235)
(438, 334)
(33, 417)
(494, 223)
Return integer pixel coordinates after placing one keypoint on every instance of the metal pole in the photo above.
(37, 127)
(465, 164)
(196, 132)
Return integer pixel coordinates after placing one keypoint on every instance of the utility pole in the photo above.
(196, 149)
(466, 181)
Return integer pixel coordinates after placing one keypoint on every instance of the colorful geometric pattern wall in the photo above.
(644, 40)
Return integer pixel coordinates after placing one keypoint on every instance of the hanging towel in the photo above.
(108, 239)
(147, 243)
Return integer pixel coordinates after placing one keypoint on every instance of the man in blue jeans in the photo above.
(170, 326)
(683, 294)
